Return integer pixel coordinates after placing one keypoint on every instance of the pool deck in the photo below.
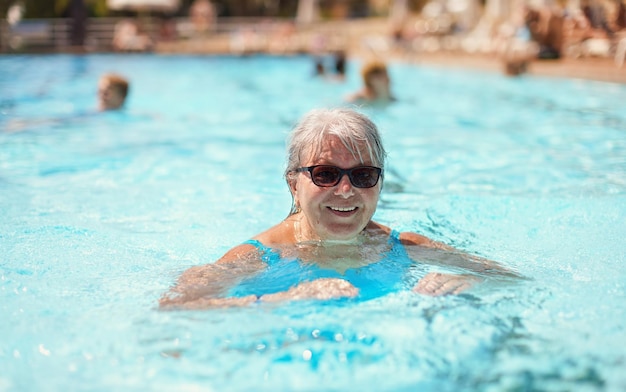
(353, 36)
(591, 68)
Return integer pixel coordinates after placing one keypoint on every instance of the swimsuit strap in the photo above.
(394, 237)
(257, 244)
(397, 247)
(268, 254)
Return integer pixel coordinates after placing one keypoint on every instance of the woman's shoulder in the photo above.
(411, 238)
(255, 248)
(405, 237)
(246, 251)
(279, 234)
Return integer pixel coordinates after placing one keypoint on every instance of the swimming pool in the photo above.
(101, 213)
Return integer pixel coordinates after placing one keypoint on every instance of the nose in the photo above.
(344, 188)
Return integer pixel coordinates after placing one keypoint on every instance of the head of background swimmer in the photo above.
(112, 92)
(345, 139)
(376, 78)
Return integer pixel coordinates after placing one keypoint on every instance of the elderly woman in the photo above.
(328, 247)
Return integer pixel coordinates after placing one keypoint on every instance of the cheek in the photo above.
(371, 198)
(307, 194)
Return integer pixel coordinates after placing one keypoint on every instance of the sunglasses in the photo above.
(327, 176)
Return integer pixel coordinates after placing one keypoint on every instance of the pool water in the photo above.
(100, 213)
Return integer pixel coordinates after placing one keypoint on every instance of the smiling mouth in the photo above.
(343, 209)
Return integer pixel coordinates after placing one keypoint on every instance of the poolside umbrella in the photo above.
(144, 5)
(308, 12)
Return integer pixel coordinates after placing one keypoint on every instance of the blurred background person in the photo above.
(77, 12)
(339, 59)
(545, 24)
(319, 69)
(129, 37)
(112, 91)
(620, 15)
(376, 84)
(515, 43)
(203, 16)
(596, 15)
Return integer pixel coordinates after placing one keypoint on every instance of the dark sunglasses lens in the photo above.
(364, 177)
(325, 175)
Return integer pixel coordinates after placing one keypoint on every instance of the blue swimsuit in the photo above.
(372, 280)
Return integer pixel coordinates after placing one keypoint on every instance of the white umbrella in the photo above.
(308, 12)
(144, 5)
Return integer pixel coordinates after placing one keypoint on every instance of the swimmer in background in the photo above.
(376, 85)
(113, 89)
(338, 68)
(319, 67)
(112, 92)
(339, 59)
(329, 247)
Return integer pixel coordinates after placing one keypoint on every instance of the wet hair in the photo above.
(373, 68)
(354, 130)
(117, 82)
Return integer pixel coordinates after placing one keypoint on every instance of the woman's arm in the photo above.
(473, 269)
(207, 285)
(425, 250)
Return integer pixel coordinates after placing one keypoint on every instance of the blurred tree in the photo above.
(270, 8)
(95, 7)
(51, 9)
(36, 8)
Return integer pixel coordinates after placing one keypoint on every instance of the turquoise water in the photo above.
(100, 213)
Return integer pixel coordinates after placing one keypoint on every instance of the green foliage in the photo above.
(34, 9)
(60, 6)
(98, 7)
(38, 9)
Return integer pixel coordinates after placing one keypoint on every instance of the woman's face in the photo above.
(109, 97)
(340, 212)
(380, 83)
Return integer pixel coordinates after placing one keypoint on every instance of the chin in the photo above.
(343, 235)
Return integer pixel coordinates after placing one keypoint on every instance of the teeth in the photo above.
(344, 209)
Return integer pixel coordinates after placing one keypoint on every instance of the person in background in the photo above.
(112, 91)
(545, 25)
(340, 64)
(319, 67)
(596, 15)
(376, 85)
(128, 36)
(203, 16)
(338, 70)
(78, 14)
(620, 15)
(329, 247)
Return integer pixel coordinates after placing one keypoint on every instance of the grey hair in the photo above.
(354, 129)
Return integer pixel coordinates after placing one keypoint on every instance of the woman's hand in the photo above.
(436, 283)
(321, 289)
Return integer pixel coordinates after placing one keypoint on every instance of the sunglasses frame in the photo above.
(342, 172)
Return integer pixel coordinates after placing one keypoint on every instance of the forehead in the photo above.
(333, 150)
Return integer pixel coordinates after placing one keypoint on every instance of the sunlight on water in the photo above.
(102, 212)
